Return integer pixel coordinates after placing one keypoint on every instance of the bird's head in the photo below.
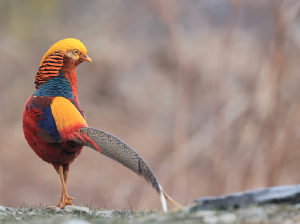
(64, 55)
(74, 51)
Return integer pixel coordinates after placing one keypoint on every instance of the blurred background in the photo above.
(206, 91)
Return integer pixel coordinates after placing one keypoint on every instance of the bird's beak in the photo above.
(87, 58)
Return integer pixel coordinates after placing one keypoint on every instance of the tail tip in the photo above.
(163, 202)
(166, 196)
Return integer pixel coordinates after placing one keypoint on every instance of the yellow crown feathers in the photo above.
(65, 45)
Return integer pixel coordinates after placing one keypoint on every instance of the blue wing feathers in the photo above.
(48, 126)
(46, 122)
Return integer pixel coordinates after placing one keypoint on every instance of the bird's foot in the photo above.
(68, 200)
(64, 200)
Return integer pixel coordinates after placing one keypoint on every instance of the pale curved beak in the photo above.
(87, 58)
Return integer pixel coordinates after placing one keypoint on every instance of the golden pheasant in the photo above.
(55, 127)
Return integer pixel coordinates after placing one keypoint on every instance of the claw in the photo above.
(68, 201)
(63, 202)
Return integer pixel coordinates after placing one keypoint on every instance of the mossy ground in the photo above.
(266, 214)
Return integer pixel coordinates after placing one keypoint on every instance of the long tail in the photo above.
(118, 150)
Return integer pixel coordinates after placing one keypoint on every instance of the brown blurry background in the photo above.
(206, 91)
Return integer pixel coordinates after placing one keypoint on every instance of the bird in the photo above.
(55, 126)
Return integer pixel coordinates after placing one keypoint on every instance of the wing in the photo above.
(56, 117)
(118, 150)
(40, 107)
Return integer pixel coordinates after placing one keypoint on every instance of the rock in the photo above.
(278, 194)
(201, 214)
(2, 211)
(297, 206)
(57, 209)
(76, 221)
(151, 218)
(210, 219)
(123, 213)
(31, 213)
(104, 214)
(227, 218)
(289, 221)
(10, 211)
(3, 214)
(77, 209)
(255, 215)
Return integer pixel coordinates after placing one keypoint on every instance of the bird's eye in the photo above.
(75, 51)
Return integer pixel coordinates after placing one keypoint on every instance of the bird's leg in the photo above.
(68, 199)
(63, 174)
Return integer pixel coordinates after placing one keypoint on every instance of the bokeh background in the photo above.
(206, 91)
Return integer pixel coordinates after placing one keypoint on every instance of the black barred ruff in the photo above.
(49, 69)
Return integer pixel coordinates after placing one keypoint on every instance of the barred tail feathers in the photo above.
(119, 151)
